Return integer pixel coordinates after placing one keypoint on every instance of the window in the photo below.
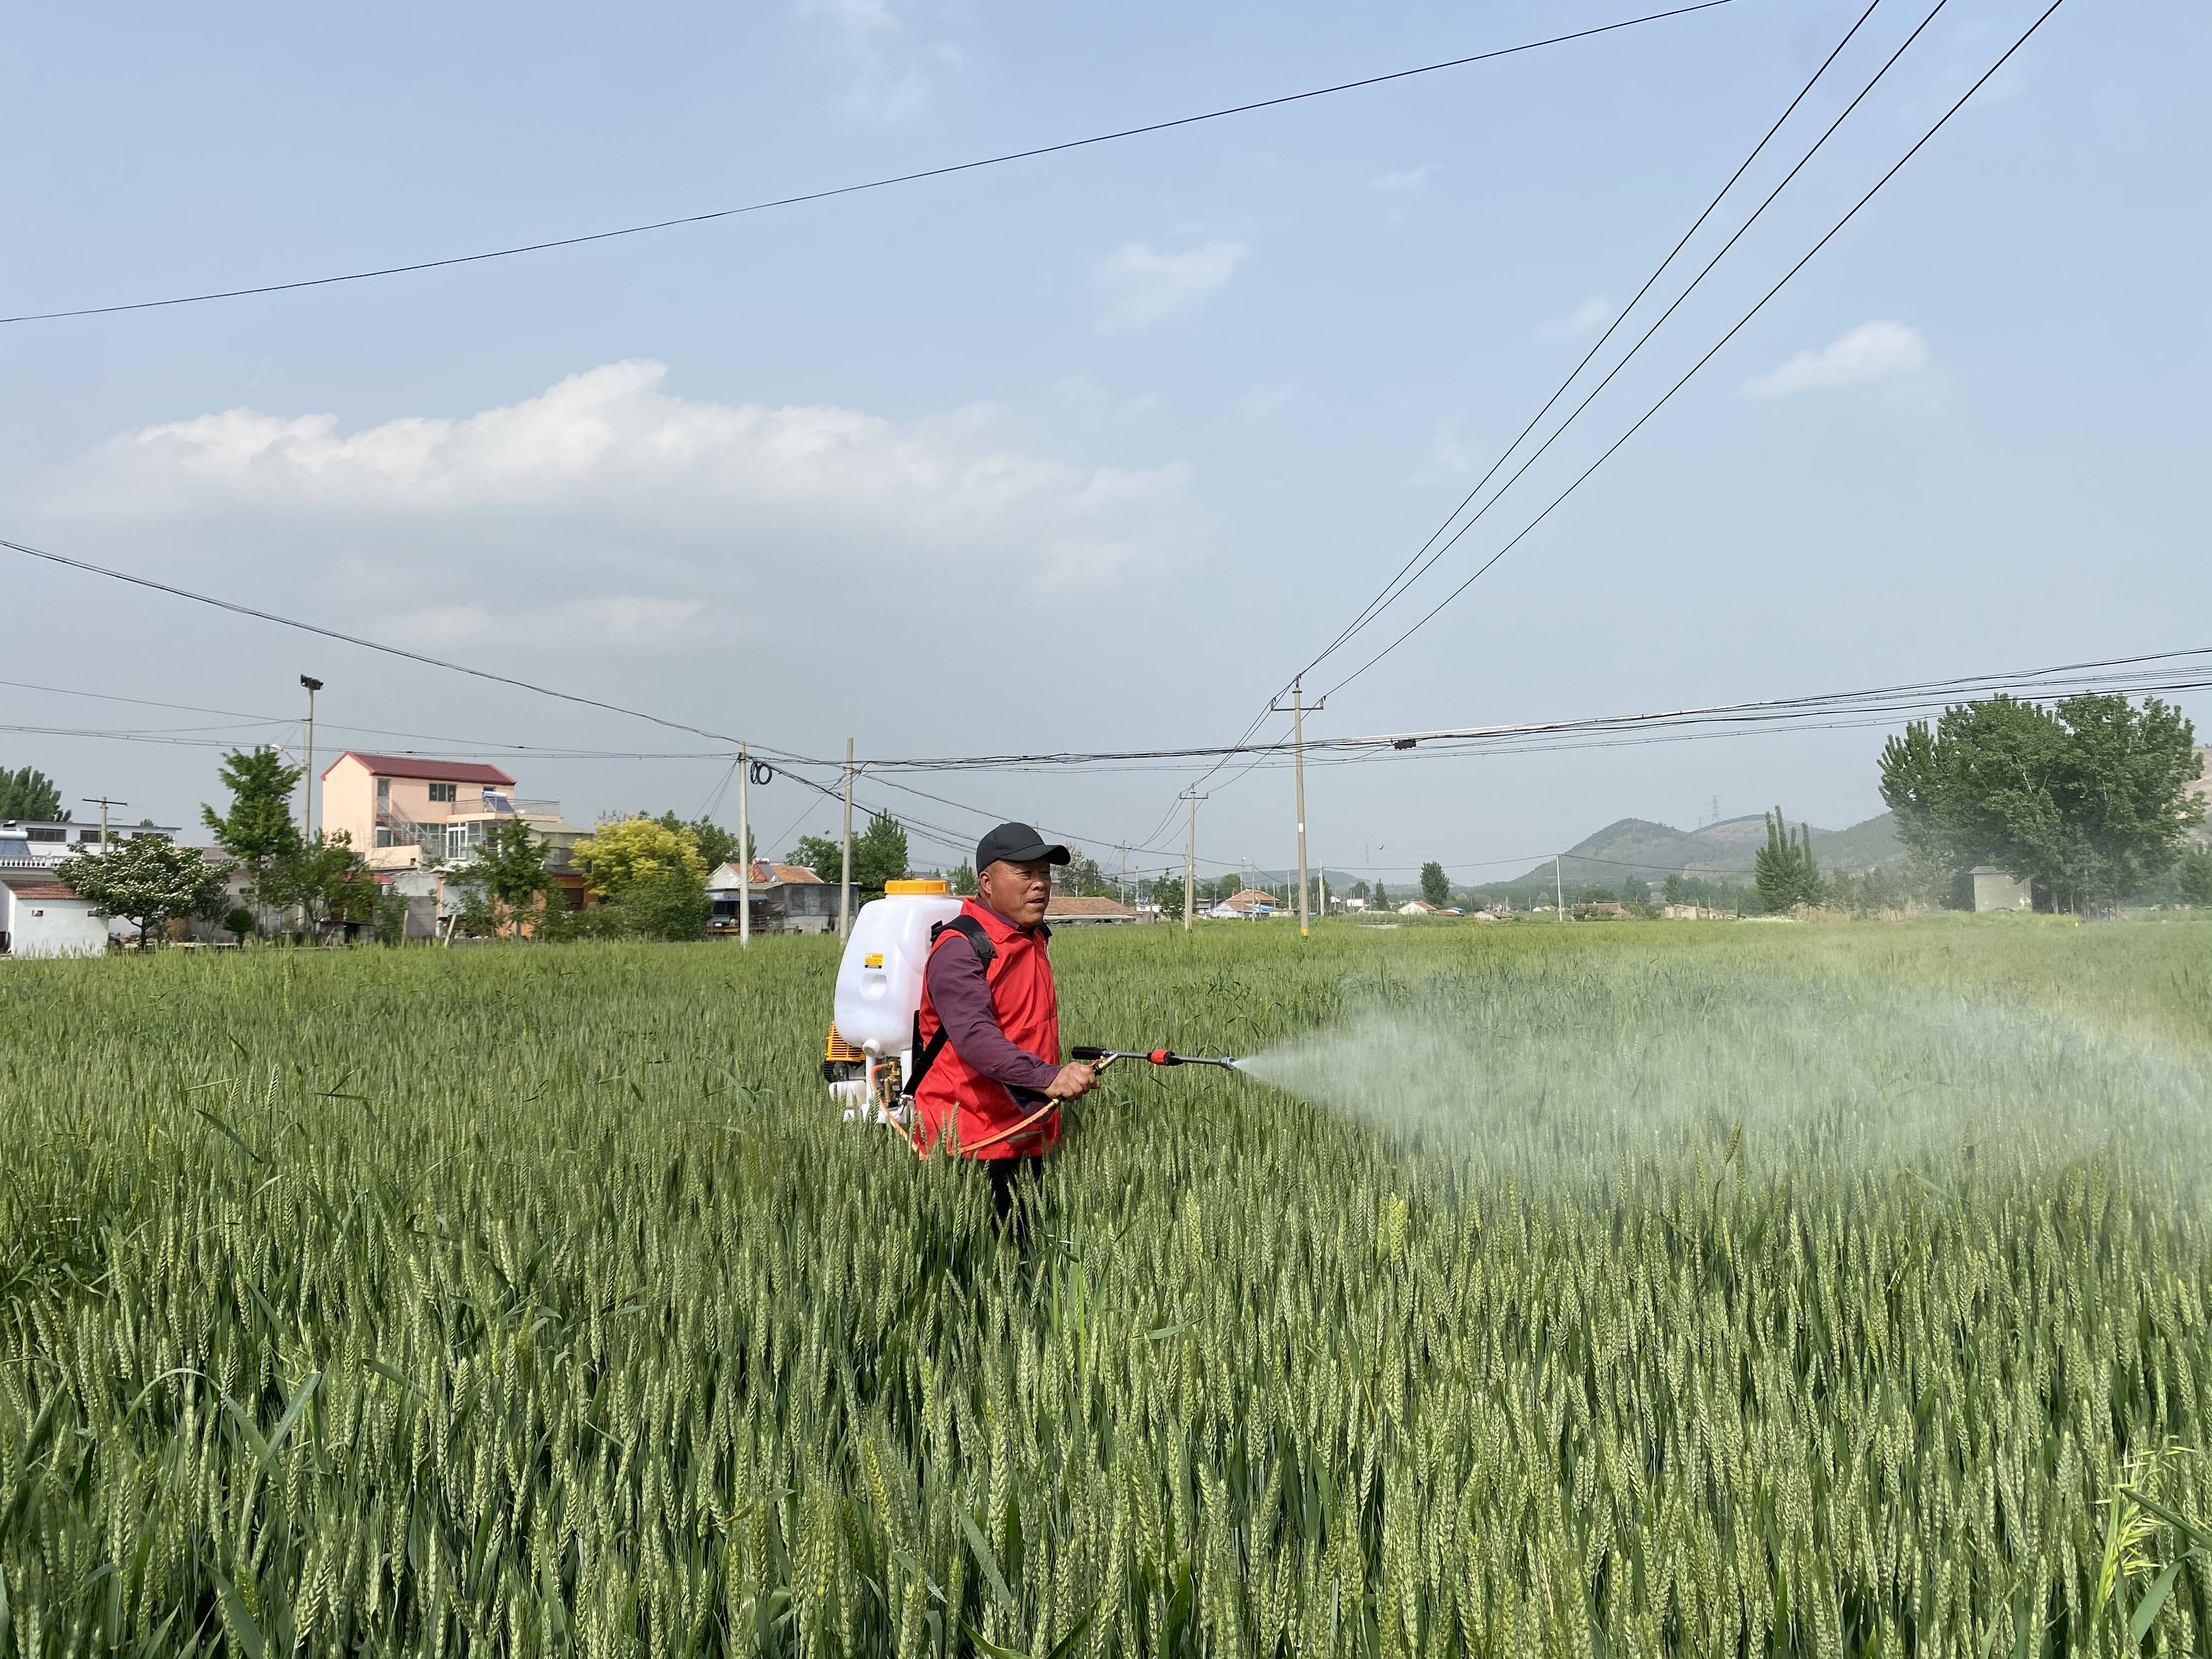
(384, 792)
(444, 791)
(384, 835)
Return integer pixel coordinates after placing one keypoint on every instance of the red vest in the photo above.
(1028, 1012)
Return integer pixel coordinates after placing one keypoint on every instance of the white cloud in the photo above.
(1447, 450)
(1872, 351)
(1140, 284)
(892, 71)
(519, 517)
(1593, 312)
(1264, 400)
(1404, 183)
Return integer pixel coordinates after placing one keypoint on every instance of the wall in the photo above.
(67, 928)
(349, 803)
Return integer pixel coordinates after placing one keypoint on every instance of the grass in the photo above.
(1637, 1288)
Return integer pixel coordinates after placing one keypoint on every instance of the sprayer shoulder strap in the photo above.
(925, 1054)
(971, 930)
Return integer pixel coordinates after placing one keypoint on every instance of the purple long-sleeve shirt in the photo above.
(960, 992)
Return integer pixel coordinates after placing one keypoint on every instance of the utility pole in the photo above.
(1122, 881)
(1323, 874)
(845, 870)
(1190, 857)
(1298, 713)
(103, 803)
(308, 772)
(744, 855)
(1558, 889)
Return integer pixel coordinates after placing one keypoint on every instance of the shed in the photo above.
(2000, 889)
(42, 917)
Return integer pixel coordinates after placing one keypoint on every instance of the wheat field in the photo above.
(1652, 1289)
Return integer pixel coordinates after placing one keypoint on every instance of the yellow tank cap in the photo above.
(895, 887)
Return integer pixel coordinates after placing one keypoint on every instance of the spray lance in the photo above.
(1100, 1059)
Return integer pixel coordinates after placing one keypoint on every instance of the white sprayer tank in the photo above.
(880, 980)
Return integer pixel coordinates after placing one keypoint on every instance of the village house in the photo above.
(787, 898)
(1072, 910)
(1250, 903)
(40, 916)
(404, 814)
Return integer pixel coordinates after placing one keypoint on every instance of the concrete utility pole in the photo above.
(1122, 881)
(1558, 889)
(845, 870)
(1296, 711)
(1190, 857)
(308, 772)
(104, 803)
(744, 855)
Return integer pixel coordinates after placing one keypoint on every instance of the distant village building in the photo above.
(1600, 910)
(1072, 910)
(1417, 907)
(407, 814)
(40, 916)
(1249, 903)
(29, 844)
(2000, 889)
(787, 898)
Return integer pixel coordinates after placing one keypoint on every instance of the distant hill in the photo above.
(1638, 846)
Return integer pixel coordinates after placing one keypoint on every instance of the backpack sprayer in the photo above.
(869, 1061)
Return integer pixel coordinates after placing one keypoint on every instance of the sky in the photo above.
(1094, 450)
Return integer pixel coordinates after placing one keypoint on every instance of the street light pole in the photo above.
(308, 772)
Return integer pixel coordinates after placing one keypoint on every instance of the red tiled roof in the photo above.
(1071, 904)
(437, 771)
(37, 887)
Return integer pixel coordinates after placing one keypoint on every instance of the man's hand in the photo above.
(1072, 1081)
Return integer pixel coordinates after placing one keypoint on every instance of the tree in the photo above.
(1785, 871)
(28, 793)
(1228, 887)
(652, 876)
(257, 829)
(144, 880)
(879, 853)
(2087, 799)
(960, 878)
(326, 880)
(717, 846)
(1358, 891)
(1167, 893)
(1435, 888)
(509, 869)
(2196, 876)
(1381, 898)
(1673, 889)
(618, 857)
(1085, 878)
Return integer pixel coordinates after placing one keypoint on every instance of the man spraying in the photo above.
(991, 1017)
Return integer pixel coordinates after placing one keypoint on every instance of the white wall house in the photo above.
(40, 917)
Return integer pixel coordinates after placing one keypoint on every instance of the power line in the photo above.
(1738, 327)
(2183, 660)
(1387, 596)
(237, 609)
(1374, 606)
(868, 185)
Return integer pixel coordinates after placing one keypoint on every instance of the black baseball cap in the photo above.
(1017, 843)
